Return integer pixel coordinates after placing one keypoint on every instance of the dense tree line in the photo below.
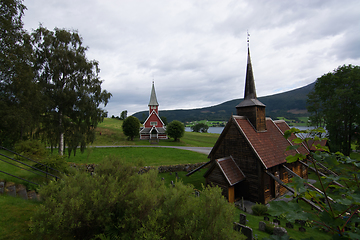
(48, 88)
(335, 103)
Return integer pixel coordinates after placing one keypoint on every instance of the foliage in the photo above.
(32, 149)
(175, 130)
(339, 199)
(259, 209)
(335, 102)
(131, 127)
(200, 127)
(118, 203)
(71, 87)
(20, 100)
(54, 164)
(123, 115)
(164, 120)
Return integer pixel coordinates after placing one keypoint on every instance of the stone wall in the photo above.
(161, 169)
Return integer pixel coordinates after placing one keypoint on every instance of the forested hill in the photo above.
(289, 104)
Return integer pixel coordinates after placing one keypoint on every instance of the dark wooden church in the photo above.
(248, 158)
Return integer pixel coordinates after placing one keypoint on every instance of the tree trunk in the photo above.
(61, 136)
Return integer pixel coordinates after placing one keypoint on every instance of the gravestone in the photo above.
(262, 226)
(266, 218)
(172, 183)
(176, 174)
(289, 225)
(162, 179)
(242, 219)
(301, 222)
(248, 232)
(279, 231)
(276, 221)
(302, 229)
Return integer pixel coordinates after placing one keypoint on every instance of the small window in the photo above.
(153, 123)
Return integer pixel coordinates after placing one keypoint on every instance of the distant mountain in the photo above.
(291, 104)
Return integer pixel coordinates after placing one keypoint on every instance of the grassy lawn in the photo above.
(109, 133)
(196, 179)
(15, 216)
(147, 156)
(253, 222)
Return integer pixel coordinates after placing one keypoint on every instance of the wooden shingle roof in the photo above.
(269, 145)
(230, 170)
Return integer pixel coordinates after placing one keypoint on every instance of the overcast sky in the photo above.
(196, 51)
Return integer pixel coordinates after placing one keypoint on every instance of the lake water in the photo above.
(220, 129)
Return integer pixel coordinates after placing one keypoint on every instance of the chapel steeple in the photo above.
(153, 103)
(251, 107)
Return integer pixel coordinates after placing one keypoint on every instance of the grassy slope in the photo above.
(109, 133)
(15, 216)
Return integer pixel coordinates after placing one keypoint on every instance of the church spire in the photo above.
(250, 91)
(251, 107)
(153, 103)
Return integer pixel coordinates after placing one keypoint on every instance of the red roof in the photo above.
(231, 171)
(283, 127)
(269, 145)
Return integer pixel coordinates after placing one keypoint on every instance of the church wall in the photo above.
(153, 118)
(217, 178)
(235, 144)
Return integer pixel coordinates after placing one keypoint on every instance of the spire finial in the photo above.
(248, 38)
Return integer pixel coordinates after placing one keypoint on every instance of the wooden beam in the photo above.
(293, 191)
(197, 169)
(322, 174)
(308, 184)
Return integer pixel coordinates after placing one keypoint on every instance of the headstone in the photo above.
(262, 226)
(266, 218)
(176, 174)
(248, 232)
(197, 193)
(301, 222)
(172, 183)
(2, 187)
(162, 179)
(279, 231)
(276, 221)
(302, 229)
(170, 173)
(289, 225)
(242, 219)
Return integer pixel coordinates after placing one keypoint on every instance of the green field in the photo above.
(109, 133)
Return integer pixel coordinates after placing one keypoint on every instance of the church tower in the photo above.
(153, 103)
(251, 107)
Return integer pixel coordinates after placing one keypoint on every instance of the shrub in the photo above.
(54, 162)
(269, 228)
(259, 209)
(118, 203)
(32, 149)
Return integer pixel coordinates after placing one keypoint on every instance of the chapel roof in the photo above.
(270, 145)
(231, 171)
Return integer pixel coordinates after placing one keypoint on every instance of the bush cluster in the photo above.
(118, 203)
(259, 209)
